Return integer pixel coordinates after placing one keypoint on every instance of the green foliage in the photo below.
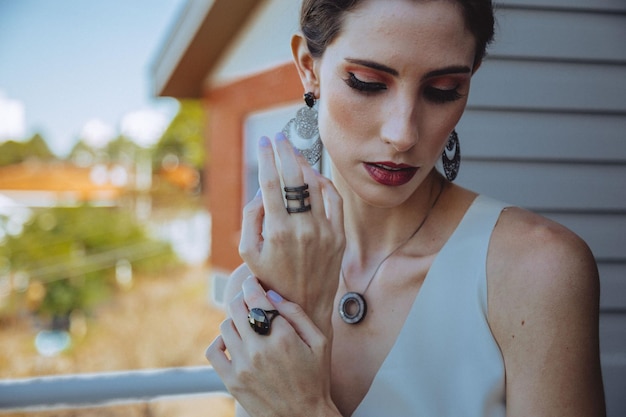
(184, 137)
(73, 252)
(120, 150)
(12, 152)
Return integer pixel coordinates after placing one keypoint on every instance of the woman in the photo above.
(391, 291)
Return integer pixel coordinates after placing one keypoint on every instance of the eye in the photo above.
(353, 82)
(439, 96)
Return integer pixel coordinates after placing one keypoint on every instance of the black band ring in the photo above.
(298, 189)
(300, 194)
(260, 320)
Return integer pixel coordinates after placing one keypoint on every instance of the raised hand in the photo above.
(285, 372)
(297, 254)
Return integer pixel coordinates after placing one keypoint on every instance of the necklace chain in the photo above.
(401, 244)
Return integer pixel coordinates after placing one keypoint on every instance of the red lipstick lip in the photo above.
(391, 165)
(390, 173)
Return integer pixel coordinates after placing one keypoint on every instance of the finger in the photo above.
(297, 318)
(254, 294)
(292, 171)
(289, 166)
(333, 204)
(238, 311)
(269, 180)
(216, 355)
(252, 229)
(312, 178)
(231, 337)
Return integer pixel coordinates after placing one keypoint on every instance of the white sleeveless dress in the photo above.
(446, 362)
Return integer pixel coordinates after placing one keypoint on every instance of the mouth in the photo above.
(390, 173)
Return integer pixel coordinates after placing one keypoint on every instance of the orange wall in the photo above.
(228, 107)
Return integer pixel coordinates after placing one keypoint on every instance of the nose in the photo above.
(400, 128)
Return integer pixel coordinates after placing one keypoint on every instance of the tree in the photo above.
(13, 152)
(72, 253)
(82, 154)
(122, 150)
(184, 137)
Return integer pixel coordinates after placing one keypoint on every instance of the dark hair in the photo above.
(321, 22)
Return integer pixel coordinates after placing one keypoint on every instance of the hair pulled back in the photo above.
(321, 22)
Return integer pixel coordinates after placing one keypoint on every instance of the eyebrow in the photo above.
(374, 65)
(454, 69)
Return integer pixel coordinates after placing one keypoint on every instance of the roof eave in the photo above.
(200, 35)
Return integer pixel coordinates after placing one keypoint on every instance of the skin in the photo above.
(542, 280)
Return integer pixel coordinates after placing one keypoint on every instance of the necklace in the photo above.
(352, 306)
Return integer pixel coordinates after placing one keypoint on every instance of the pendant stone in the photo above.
(352, 308)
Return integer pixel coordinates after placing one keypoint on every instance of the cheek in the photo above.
(342, 116)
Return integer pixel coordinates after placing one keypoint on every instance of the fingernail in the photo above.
(264, 141)
(259, 193)
(274, 296)
(281, 136)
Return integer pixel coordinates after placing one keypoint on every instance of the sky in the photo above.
(73, 69)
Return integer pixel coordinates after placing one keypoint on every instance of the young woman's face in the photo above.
(393, 85)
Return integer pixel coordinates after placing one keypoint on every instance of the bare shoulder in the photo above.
(540, 258)
(543, 309)
(537, 267)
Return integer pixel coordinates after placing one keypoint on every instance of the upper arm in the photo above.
(544, 308)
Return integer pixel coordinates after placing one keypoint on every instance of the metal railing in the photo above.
(107, 388)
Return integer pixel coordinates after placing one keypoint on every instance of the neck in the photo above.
(373, 233)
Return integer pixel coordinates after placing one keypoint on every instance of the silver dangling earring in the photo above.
(451, 156)
(302, 129)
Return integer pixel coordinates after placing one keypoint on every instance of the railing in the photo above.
(104, 389)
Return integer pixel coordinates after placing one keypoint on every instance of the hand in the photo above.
(297, 254)
(284, 373)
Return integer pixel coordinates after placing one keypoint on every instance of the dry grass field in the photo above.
(160, 322)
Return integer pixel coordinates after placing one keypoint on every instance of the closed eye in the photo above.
(368, 87)
(439, 96)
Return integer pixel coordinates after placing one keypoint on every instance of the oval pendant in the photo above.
(352, 307)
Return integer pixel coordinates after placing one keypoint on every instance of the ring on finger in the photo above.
(261, 320)
(299, 194)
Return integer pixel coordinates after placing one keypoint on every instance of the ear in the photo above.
(306, 64)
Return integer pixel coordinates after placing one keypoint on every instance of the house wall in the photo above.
(228, 108)
(544, 129)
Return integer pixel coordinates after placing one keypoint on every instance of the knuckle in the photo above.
(251, 207)
(307, 234)
(296, 311)
(271, 184)
(245, 249)
(320, 345)
(234, 303)
(224, 325)
(255, 300)
(279, 235)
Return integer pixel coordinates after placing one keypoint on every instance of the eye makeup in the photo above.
(368, 87)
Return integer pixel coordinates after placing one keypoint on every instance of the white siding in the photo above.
(263, 44)
(546, 129)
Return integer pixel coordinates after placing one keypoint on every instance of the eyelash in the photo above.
(433, 94)
(439, 96)
(353, 82)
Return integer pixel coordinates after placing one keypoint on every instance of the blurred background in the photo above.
(127, 151)
(104, 237)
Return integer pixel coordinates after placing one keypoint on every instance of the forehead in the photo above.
(432, 32)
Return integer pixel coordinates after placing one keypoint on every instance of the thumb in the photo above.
(297, 318)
